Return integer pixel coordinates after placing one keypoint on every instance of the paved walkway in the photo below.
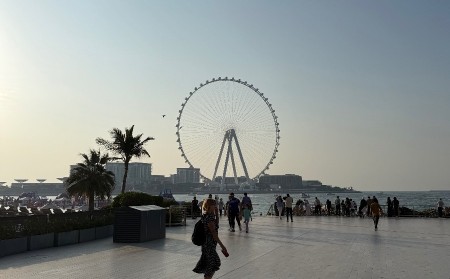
(310, 247)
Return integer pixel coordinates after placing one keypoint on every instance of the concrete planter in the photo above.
(66, 238)
(104, 232)
(41, 241)
(13, 246)
(87, 235)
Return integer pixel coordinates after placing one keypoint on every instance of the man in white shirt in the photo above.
(289, 201)
(317, 207)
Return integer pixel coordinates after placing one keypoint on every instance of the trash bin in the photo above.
(139, 223)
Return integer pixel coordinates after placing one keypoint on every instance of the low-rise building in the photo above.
(286, 181)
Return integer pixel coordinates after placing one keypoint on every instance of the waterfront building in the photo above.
(230, 180)
(187, 175)
(286, 181)
(138, 178)
(138, 173)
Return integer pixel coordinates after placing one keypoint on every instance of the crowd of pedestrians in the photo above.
(344, 207)
(212, 209)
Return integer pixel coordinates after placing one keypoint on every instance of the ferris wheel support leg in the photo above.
(233, 134)
(226, 161)
(233, 164)
(220, 155)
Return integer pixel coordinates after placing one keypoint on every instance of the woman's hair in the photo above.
(207, 203)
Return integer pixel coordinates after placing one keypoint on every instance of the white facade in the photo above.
(138, 173)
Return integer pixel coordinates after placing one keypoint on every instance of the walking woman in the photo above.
(209, 261)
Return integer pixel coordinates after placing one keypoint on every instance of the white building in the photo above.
(138, 173)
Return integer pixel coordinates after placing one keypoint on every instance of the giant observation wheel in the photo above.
(228, 128)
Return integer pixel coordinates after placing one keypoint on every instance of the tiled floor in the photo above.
(310, 247)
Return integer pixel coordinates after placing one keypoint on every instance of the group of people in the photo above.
(343, 207)
(211, 210)
(347, 207)
(285, 206)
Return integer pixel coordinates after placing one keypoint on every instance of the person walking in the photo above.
(279, 204)
(247, 201)
(233, 212)
(194, 204)
(289, 201)
(337, 204)
(362, 207)
(227, 209)
(247, 216)
(440, 206)
(390, 207)
(209, 261)
(376, 210)
(396, 205)
(221, 205)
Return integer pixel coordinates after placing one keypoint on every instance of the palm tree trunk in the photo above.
(91, 201)
(124, 182)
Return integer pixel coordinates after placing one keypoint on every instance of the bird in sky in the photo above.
(163, 115)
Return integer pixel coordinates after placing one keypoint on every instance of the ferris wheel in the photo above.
(228, 121)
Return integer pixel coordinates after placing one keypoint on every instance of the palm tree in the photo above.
(127, 146)
(91, 178)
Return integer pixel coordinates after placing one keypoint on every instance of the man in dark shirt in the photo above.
(233, 212)
(328, 207)
(362, 204)
(395, 203)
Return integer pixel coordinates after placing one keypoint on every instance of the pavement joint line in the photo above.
(249, 262)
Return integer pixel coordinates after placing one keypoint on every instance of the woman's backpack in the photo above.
(199, 234)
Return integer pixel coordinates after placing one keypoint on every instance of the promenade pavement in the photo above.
(309, 247)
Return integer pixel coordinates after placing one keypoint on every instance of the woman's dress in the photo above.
(209, 260)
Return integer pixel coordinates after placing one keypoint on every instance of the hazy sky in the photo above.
(361, 88)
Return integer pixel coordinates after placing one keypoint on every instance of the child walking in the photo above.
(247, 215)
